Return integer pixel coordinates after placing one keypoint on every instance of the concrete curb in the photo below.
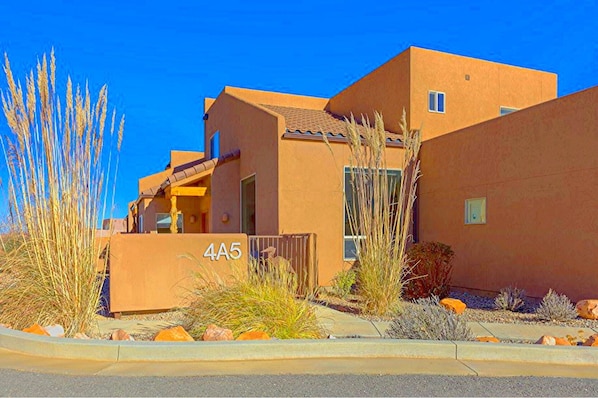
(130, 351)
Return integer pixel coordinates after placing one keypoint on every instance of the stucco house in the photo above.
(267, 170)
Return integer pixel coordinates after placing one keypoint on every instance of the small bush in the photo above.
(430, 270)
(510, 298)
(262, 301)
(556, 307)
(429, 321)
(343, 282)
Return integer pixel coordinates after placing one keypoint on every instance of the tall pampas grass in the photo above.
(380, 219)
(56, 157)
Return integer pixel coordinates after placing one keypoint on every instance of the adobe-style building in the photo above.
(267, 170)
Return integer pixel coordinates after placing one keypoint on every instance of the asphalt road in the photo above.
(16, 383)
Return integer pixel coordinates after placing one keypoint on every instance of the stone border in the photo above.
(132, 351)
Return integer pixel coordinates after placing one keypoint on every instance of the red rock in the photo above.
(592, 341)
(587, 309)
(455, 305)
(488, 339)
(561, 341)
(546, 340)
(254, 335)
(173, 334)
(215, 333)
(36, 329)
(121, 335)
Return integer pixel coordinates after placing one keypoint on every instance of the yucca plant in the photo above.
(380, 211)
(59, 163)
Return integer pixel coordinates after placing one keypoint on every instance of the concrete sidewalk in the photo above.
(358, 347)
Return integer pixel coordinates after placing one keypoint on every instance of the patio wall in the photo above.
(150, 272)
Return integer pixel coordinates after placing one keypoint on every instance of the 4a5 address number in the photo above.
(230, 253)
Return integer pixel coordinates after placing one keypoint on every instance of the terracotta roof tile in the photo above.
(314, 122)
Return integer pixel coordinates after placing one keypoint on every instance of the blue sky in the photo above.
(160, 59)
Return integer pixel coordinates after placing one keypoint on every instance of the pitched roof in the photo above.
(308, 123)
(189, 170)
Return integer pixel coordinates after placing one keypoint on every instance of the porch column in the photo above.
(173, 215)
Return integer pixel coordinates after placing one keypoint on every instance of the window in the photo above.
(505, 110)
(140, 224)
(349, 248)
(475, 211)
(215, 145)
(436, 101)
(163, 223)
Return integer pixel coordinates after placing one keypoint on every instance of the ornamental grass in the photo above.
(260, 297)
(59, 161)
(380, 211)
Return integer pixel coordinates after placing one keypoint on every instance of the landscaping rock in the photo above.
(5, 325)
(81, 336)
(587, 309)
(455, 305)
(177, 333)
(254, 335)
(488, 339)
(121, 335)
(561, 341)
(36, 329)
(215, 333)
(546, 340)
(592, 341)
(55, 330)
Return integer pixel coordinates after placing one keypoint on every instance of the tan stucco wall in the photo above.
(254, 131)
(274, 98)
(385, 90)
(467, 102)
(311, 196)
(156, 271)
(404, 82)
(538, 170)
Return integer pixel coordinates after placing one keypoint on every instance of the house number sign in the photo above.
(232, 252)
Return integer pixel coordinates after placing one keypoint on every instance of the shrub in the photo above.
(427, 320)
(55, 157)
(556, 307)
(430, 270)
(262, 301)
(343, 282)
(379, 211)
(510, 298)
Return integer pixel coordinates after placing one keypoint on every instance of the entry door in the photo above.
(248, 205)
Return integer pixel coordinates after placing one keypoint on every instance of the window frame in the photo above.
(182, 218)
(216, 136)
(483, 216)
(435, 102)
(351, 238)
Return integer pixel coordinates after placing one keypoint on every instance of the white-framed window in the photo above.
(475, 211)
(163, 223)
(505, 110)
(350, 196)
(436, 101)
(215, 145)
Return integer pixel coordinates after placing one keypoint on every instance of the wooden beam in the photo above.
(188, 191)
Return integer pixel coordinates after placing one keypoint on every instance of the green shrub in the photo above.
(343, 282)
(430, 270)
(510, 299)
(556, 307)
(427, 320)
(58, 187)
(264, 300)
